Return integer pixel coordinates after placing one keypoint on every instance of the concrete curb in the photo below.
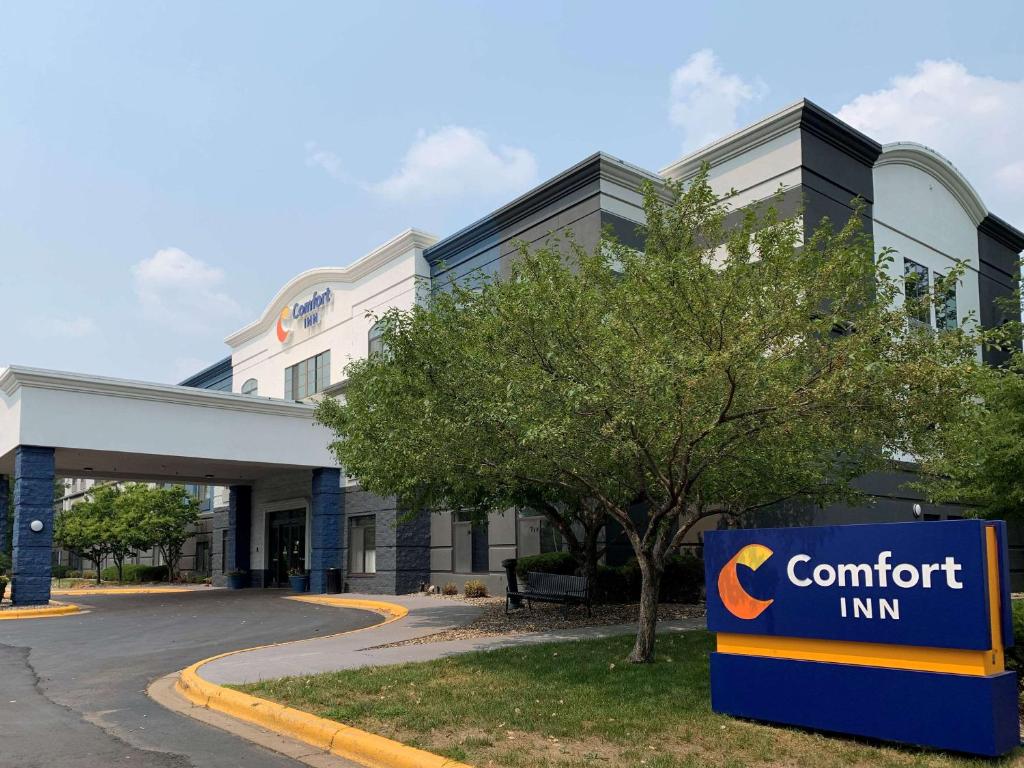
(351, 743)
(42, 612)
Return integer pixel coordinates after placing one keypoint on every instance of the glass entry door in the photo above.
(287, 544)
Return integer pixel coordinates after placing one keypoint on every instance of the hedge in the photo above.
(136, 573)
(561, 563)
(682, 582)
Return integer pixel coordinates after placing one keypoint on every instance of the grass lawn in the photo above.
(575, 704)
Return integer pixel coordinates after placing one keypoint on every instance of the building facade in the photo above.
(801, 159)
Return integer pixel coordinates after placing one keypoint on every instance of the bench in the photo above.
(552, 588)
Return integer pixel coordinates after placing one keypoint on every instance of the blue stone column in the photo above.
(4, 491)
(239, 527)
(326, 528)
(33, 500)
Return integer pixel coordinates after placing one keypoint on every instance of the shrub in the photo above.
(137, 572)
(682, 581)
(451, 588)
(88, 574)
(61, 571)
(5, 562)
(1015, 655)
(3, 586)
(475, 588)
(561, 563)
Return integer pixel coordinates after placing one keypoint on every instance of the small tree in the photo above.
(85, 529)
(165, 517)
(715, 372)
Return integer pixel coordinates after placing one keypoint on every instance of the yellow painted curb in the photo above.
(42, 612)
(337, 738)
(120, 591)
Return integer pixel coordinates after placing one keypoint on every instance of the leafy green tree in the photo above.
(85, 528)
(164, 517)
(979, 461)
(718, 371)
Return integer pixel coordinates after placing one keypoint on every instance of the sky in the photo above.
(166, 167)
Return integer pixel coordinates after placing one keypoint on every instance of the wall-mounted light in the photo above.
(917, 510)
(36, 525)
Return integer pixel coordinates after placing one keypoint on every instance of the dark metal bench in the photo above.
(553, 588)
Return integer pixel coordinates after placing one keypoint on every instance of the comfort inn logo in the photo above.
(735, 598)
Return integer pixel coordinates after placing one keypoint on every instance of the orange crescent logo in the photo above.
(282, 334)
(735, 598)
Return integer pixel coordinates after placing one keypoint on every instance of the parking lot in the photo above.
(73, 689)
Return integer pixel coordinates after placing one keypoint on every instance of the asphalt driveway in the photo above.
(73, 689)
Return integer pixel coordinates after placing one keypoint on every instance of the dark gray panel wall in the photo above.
(403, 546)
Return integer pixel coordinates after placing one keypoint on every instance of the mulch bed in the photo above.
(544, 618)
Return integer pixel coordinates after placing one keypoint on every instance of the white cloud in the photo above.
(77, 327)
(705, 101)
(975, 121)
(318, 157)
(181, 290)
(458, 162)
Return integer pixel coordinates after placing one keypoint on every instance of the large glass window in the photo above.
(307, 378)
(915, 288)
(362, 544)
(945, 306)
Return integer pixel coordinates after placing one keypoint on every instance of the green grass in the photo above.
(576, 704)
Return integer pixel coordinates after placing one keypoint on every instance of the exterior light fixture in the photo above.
(36, 525)
(917, 510)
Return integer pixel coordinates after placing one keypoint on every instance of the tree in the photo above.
(85, 527)
(164, 517)
(979, 460)
(718, 371)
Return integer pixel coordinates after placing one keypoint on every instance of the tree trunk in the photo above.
(97, 563)
(650, 581)
(119, 562)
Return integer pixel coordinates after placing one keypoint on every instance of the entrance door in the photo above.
(287, 544)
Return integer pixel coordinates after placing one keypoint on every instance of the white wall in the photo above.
(345, 326)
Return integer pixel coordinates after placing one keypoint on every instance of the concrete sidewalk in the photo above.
(427, 615)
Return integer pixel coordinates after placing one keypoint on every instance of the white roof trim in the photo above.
(739, 142)
(14, 378)
(400, 244)
(938, 167)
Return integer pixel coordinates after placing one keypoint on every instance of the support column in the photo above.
(5, 489)
(33, 501)
(326, 528)
(239, 527)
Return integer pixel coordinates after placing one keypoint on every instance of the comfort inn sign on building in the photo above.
(892, 631)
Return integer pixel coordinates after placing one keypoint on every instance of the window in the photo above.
(251, 387)
(224, 551)
(945, 305)
(915, 288)
(537, 535)
(362, 544)
(307, 378)
(375, 339)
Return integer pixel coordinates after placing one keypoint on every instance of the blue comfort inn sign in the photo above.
(893, 631)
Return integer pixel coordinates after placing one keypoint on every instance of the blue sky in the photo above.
(166, 167)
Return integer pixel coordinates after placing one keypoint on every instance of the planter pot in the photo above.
(238, 580)
(299, 583)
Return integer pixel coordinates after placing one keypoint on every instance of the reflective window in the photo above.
(308, 377)
(915, 288)
(945, 307)
(362, 544)
(251, 387)
(375, 345)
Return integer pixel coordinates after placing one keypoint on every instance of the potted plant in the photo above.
(238, 579)
(298, 579)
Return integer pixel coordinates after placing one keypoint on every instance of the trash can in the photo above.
(333, 581)
(510, 577)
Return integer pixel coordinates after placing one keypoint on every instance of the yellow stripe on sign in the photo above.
(994, 593)
(953, 660)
